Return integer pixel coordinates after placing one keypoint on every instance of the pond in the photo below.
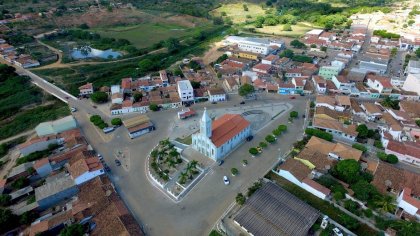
(88, 52)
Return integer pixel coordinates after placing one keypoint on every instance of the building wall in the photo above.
(410, 209)
(328, 72)
(140, 132)
(56, 198)
(248, 56)
(253, 48)
(39, 146)
(88, 176)
(290, 177)
(373, 67)
(217, 98)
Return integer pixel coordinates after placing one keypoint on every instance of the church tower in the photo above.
(205, 124)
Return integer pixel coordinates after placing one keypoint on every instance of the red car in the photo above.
(292, 97)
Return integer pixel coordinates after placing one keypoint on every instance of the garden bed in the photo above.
(165, 161)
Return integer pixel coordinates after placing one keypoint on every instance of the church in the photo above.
(219, 137)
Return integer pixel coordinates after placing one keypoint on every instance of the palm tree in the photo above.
(406, 228)
(183, 177)
(386, 203)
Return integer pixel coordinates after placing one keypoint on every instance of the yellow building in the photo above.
(248, 55)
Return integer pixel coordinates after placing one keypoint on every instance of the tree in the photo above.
(8, 220)
(263, 144)
(287, 27)
(99, 97)
(72, 230)
(116, 121)
(5, 199)
(253, 151)
(234, 171)
(137, 96)
(217, 20)
(172, 44)
(362, 190)
(146, 65)
(348, 170)
(360, 147)
(270, 138)
(388, 102)
(406, 228)
(28, 217)
(245, 90)
(153, 107)
(194, 65)
(294, 114)
(319, 133)
(386, 203)
(195, 84)
(323, 48)
(177, 72)
(240, 199)
(418, 52)
(287, 53)
(282, 128)
(394, 52)
(391, 158)
(276, 132)
(253, 188)
(297, 44)
(84, 26)
(363, 131)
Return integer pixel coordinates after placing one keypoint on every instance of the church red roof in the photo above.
(226, 127)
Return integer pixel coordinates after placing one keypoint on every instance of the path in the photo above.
(27, 133)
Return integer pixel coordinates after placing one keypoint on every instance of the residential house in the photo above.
(342, 102)
(185, 91)
(327, 72)
(413, 67)
(248, 55)
(138, 126)
(409, 203)
(37, 144)
(337, 129)
(55, 127)
(328, 36)
(270, 59)
(231, 84)
(408, 152)
(328, 102)
(379, 83)
(263, 68)
(412, 108)
(85, 169)
(373, 64)
(320, 84)
(299, 84)
(186, 113)
(342, 83)
(372, 111)
(326, 113)
(56, 189)
(334, 151)
(287, 88)
(26, 62)
(412, 83)
(86, 89)
(20, 171)
(43, 167)
(216, 95)
(117, 98)
(293, 72)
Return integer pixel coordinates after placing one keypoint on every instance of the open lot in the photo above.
(237, 13)
(297, 30)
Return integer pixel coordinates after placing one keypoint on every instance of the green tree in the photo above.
(253, 151)
(28, 217)
(137, 96)
(319, 133)
(8, 220)
(234, 171)
(72, 230)
(406, 228)
(195, 84)
(153, 107)
(294, 114)
(394, 52)
(194, 65)
(391, 158)
(362, 190)
(276, 132)
(362, 130)
(348, 170)
(282, 128)
(172, 44)
(253, 188)
(146, 65)
(418, 52)
(385, 203)
(240, 199)
(359, 147)
(287, 53)
(323, 48)
(245, 90)
(297, 44)
(263, 144)
(177, 72)
(5, 199)
(99, 97)
(116, 121)
(287, 27)
(270, 138)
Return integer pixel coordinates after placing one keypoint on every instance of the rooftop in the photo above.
(185, 85)
(272, 211)
(335, 125)
(54, 186)
(325, 147)
(296, 168)
(135, 121)
(226, 127)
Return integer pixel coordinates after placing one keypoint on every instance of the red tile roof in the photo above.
(408, 198)
(41, 162)
(226, 127)
(263, 67)
(126, 83)
(86, 86)
(127, 103)
(317, 186)
(405, 148)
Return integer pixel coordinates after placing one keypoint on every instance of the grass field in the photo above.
(237, 13)
(297, 30)
(147, 34)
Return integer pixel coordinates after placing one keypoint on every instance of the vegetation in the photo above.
(98, 122)
(21, 182)
(8, 220)
(246, 90)
(263, 144)
(36, 155)
(386, 34)
(302, 58)
(255, 186)
(116, 121)
(215, 233)
(388, 102)
(234, 171)
(99, 97)
(5, 199)
(297, 44)
(390, 158)
(153, 107)
(270, 138)
(240, 199)
(318, 133)
(253, 151)
(360, 147)
(73, 230)
(362, 130)
(294, 114)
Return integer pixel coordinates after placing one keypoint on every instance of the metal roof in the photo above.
(272, 211)
(135, 121)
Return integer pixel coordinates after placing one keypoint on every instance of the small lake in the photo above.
(88, 52)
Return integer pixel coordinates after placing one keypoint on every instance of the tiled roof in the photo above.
(411, 107)
(126, 83)
(325, 99)
(385, 81)
(216, 91)
(411, 200)
(86, 86)
(355, 106)
(296, 168)
(371, 108)
(226, 127)
(318, 159)
(317, 186)
(264, 67)
(343, 100)
(271, 57)
(332, 113)
(335, 125)
(325, 147)
(41, 162)
(405, 148)
(82, 166)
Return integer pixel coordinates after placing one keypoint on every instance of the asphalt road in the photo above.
(200, 209)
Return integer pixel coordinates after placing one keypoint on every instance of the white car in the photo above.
(324, 223)
(73, 109)
(100, 157)
(226, 180)
(337, 232)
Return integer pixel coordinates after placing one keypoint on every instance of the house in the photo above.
(405, 151)
(56, 189)
(231, 84)
(20, 171)
(342, 83)
(412, 83)
(326, 113)
(6, 48)
(43, 167)
(326, 101)
(298, 173)
(248, 55)
(216, 94)
(327, 72)
(293, 72)
(256, 45)
(320, 84)
(50, 223)
(86, 89)
(379, 83)
(337, 129)
(185, 91)
(318, 162)
(218, 138)
(37, 144)
(412, 108)
(334, 151)
(26, 62)
(342, 102)
(262, 68)
(272, 210)
(372, 111)
(138, 126)
(164, 78)
(270, 59)
(185, 113)
(287, 88)
(55, 127)
(373, 64)
(85, 169)
(409, 203)
(117, 98)
(413, 67)
(328, 36)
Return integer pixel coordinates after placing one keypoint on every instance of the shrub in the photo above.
(391, 158)
(153, 107)
(378, 144)
(240, 199)
(282, 128)
(319, 134)
(360, 147)
(253, 151)
(338, 196)
(294, 114)
(234, 171)
(368, 213)
(381, 155)
(263, 144)
(116, 121)
(287, 27)
(5, 199)
(270, 138)
(99, 97)
(253, 188)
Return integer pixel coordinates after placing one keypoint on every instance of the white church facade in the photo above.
(219, 137)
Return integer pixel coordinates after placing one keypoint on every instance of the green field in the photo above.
(145, 35)
(237, 13)
(297, 30)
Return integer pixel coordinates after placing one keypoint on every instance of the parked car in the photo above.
(337, 232)
(117, 162)
(249, 138)
(324, 223)
(213, 102)
(108, 129)
(94, 106)
(73, 109)
(100, 157)
(226, 180)
(242, 103)
(220, 162)
(292, 97)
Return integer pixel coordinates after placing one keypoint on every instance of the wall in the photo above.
(88, 176)
(58, 197)
(39, 146)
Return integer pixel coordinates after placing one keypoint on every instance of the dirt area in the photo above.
(212, 54)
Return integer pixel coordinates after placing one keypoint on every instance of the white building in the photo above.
(410, 204)
(216, 95)
(412, 83)
(320, 84)
(185, 91)
(217, 139)
(86, 89)
(342, 83)
(256, 45)
(379, 83)
(413, 67)
(85, 169)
